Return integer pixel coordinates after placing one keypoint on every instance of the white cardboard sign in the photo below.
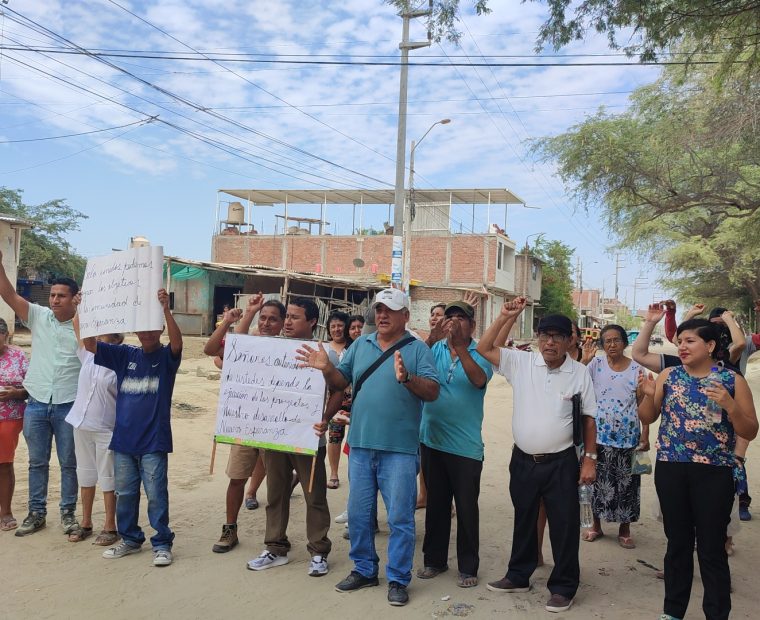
(265, 399)
(120, 292)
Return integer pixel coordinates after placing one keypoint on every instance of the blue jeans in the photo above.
(395, 475)
(42, 422)
(151, 469)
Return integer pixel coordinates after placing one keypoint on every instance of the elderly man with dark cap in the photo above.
(544, 463)
(451, 446)
(392, 374)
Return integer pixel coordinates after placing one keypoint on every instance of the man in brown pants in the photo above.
(300, 321)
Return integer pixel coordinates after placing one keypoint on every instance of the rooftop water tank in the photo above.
(138, 242)
(236, 213)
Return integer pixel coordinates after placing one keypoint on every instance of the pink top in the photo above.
(13, 367)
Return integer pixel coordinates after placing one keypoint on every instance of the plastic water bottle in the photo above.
(713, 411)
(585, 493)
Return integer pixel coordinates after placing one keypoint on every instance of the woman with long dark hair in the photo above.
(695, 456)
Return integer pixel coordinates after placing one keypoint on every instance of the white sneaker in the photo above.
(267, 560)
(318, 566)
(120, 550)
(162, 557)
(342, 517)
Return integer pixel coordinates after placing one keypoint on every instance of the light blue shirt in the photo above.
(453, 423)
(53, 372)
(385, 415)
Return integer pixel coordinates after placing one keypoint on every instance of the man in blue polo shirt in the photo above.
(452, 447)
(384, 439)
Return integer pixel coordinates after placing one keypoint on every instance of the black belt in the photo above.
(543, 458)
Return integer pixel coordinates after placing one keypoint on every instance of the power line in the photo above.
(83, 133)
(378, 63)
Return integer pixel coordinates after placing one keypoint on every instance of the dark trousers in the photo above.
(450, 476)
(696, 499)
(556, 482)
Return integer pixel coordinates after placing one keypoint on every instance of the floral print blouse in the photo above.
(686, 435)
(13, 367)
(617, 416)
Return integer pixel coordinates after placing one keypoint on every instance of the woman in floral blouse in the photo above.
(695, 456)
(13, 365)
(617, 496)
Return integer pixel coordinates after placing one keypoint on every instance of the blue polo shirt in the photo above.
(453, 423)
(385, 415)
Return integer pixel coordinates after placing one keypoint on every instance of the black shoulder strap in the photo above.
(377, 363)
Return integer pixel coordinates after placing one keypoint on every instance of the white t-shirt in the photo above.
(542, 420)
(95, 406)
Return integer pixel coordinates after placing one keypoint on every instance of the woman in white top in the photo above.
(92, 415)
(618, 436)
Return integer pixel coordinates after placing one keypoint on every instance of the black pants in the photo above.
(696, 499)
(556, 482)
(450, 476)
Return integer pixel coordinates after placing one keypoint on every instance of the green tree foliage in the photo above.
(557, 277)
(677, 177)
(45, 251)
(442, 24)
(730, 27)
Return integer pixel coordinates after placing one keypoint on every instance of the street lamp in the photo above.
(409, 211)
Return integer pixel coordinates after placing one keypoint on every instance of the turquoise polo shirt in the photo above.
(385, 415)
(53, 372)
(453, 423)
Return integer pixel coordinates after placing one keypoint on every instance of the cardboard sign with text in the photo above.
(265, 399)
(120, 292)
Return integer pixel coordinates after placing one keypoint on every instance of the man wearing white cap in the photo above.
(392, 374)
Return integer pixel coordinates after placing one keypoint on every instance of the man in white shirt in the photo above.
(544, 463)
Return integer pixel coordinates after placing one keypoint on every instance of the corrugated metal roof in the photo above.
(17, 221)
(374, 196)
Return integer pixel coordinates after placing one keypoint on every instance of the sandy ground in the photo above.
(44, 576)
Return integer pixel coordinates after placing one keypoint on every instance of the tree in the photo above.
(45, 252)
(677, 178)
(557, 277)
(442, 23)
(730, 27)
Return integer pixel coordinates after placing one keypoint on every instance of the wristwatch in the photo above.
(408, 377)
(591, 455)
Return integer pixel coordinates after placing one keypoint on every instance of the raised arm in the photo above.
(8, 292)
(640, 349)
(90, 344)
(472, 369)
(738, 339)
(252, 307)
(487, 346)
(175, 335)
(214, 343)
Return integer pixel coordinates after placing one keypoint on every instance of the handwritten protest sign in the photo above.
(119, 292)
(265, 399)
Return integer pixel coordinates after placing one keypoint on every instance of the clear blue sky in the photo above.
(160, 181)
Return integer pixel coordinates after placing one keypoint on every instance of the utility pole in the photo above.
(397, 260)
(617, 273)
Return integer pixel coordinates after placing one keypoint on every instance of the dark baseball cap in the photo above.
(557, 322)
(460, 305)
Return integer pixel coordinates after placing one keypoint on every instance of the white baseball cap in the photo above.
(392, 298)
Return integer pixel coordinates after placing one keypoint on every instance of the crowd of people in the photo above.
(398, 406)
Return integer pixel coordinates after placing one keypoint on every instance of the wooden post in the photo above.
(313, 470)
(213, 458)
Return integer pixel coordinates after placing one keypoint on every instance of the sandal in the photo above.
(106, 538)
(592, 535)
(78, 534)
(8, 523)
(430, 571)
(467, 581)
(251, 503)
(333, 483)
(626, 542)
